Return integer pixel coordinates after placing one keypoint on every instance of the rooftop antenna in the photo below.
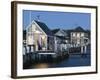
(38, 17)
(76, 24)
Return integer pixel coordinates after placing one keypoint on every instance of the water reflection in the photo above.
(40, 65)
(72, 61)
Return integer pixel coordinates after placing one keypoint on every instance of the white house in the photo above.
(39, 37)
(78, 36)
(61, 39)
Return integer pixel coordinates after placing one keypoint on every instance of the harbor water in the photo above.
(73, 60)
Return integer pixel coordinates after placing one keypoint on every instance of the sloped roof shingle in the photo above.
(79, 29)
(44, 27)
(55, 30)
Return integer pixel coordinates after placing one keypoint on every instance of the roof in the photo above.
(62, 37)
(78, 29)
(44, 27)
(87, 31)
(55, 30)
(63, 32)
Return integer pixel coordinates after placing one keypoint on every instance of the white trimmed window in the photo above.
(82, 34)
(78, 34)
(73, 34)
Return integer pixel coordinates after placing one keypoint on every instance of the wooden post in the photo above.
(55, 45)
(39, 56)
(82, 49)
(24, 50)
(27, 49)
(85, 49)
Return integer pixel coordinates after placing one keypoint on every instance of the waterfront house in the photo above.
(61, 39)
(39, 37)
(59, 32)
(79, 36)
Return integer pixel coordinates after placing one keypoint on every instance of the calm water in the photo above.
(72, 61)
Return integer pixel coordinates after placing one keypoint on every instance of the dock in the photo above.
(49, 56)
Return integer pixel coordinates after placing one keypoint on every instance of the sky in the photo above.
(55, 20)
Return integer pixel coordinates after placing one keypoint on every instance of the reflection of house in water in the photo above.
(39, 37)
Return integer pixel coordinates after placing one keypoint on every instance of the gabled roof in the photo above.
(62, 31)
(87, 31)
(55, 30)
(78, 29)
(44, 27)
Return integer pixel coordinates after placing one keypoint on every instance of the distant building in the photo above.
(61, 39)
(59, 32)
(79, 36)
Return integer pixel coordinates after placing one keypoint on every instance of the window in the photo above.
(78, 34)
(33, 27)
(82, 34)
(73, 34)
